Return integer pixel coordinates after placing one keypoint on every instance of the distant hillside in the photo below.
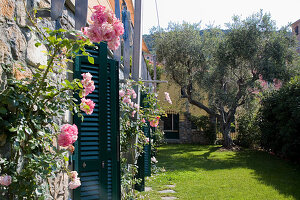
(150, 41)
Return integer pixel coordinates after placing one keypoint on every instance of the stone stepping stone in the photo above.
(167, 191)
(168, 198)
(147, 189)
(171, 186)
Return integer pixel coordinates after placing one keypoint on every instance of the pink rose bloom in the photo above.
(136, 106)
(87, 105)
(94, 33)
(74, 174)
(5, 180)
(65, 139)
(133, 113)
(114, 44)
(71, 130)
(128, 92)
(126, 99)
(153, 159)
(167, 98)
(99, 8)
(154, 123)
(87, 76)
(121, 93)
(75, 183)
(143, 120)
(134, 95)
(119, 28)
(131, 104)
(108, 32)
(277, 83)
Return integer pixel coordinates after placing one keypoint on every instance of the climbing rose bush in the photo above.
(105, 27)
(5, 180)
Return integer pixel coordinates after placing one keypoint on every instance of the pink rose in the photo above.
(108, 31)
(143, 120)
(136, 106)
(74, 174)
(121, 93)
(75, 183)
(114, 43)
(87, 76)
(131, 104)
(126, 99)
(167, 98)
(71, 130)
(134, 95)
(65, 139)
(153, 160)
(5, 180)
(155, 122)
(119, 28)
(133, 113)
(87, 105)
(147, 140)
(94, 33)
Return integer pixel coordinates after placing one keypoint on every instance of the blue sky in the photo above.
(216, 12)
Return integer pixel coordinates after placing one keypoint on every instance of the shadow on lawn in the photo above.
(272, 171)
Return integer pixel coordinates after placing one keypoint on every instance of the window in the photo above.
(171, 125)
(297, 30)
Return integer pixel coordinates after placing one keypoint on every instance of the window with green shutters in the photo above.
(96, 156)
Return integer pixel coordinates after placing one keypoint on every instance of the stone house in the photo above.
(18, 50)
(296, 32)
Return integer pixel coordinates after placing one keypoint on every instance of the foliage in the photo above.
(248, 130)
(204, 124)
(159, 70)
(224, 68)
(132, 138)
(210, 172)
(280, 121)
(30, 109)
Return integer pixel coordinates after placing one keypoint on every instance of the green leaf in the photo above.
(91, 59)
(42, 67)
(37, 44)
(3, 110)
(66, 158)
(13, 129)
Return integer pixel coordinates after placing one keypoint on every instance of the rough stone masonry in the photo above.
(17, 50)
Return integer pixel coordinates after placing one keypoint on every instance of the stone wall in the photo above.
(17, 50)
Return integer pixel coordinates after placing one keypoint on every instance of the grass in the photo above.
(207, 172)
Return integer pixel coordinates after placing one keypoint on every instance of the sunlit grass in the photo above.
(206, 172)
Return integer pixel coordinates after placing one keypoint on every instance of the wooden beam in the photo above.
(81, 9)
(126, 50)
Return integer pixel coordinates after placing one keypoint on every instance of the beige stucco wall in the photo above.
(178, 104)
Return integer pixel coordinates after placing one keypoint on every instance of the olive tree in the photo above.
(224, 66)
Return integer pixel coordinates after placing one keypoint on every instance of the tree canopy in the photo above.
(225, 67)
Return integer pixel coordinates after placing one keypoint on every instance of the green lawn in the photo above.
(206, 172)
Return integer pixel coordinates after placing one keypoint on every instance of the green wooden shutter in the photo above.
(96, 156)
(147, 151)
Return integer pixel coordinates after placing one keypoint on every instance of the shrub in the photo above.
(248, 129)
(204, 124)
(280, 121)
